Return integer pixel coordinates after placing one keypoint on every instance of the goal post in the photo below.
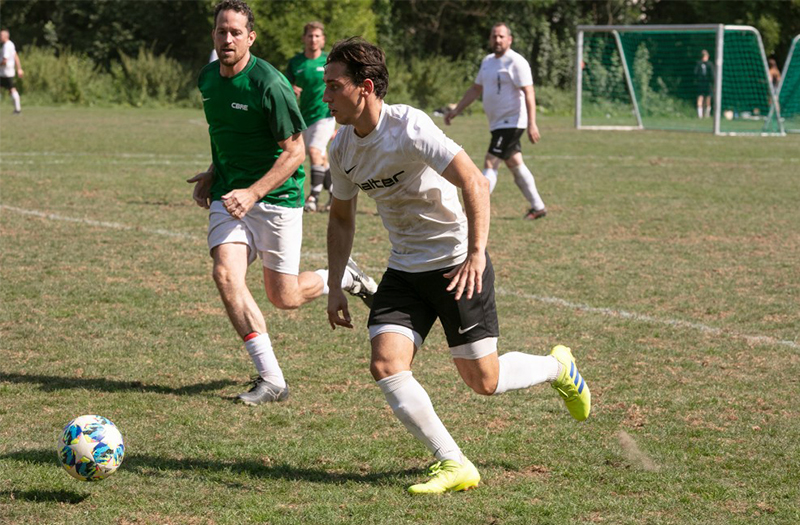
(703, 77)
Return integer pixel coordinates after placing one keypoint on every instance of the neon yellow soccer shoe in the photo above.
(570, 385)
(447, 476)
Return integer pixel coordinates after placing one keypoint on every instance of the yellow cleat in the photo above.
(447, 476)
(570, 385)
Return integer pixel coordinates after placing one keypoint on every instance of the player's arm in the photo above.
(530, 105)
(239, 202)
(202, 187)
(341, 229)
(462, 172)
(469, 97)
(18, 65)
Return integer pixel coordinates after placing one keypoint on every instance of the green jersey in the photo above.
(306, 73)
(247, 115)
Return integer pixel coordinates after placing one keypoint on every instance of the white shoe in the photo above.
(311, 204)
(363, 285)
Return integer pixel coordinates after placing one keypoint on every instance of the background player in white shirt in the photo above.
(506, 82)
(438, 267)
(10, 66)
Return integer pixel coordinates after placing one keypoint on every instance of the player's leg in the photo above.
(527, 185)
(398, 323)
(15, 98)
(700, 106)
(233, 249)
(471, 327)
(317, 159)
(708, 104)
(491, 162)
(230, 270)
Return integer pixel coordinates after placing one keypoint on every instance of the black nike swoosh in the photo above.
(351, 169)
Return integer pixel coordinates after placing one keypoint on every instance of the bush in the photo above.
(148, 79)
(428, 83)
(61, 76)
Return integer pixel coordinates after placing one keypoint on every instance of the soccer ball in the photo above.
(90, 448)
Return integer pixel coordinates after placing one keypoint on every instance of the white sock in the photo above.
(708, 111)
(518, 370)
(347, 280)
(260, 350)
(524, 179)
(412, 406)
(699, 111)
(491, 174)
(15, 97)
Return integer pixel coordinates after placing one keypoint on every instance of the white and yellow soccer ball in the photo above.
(90, 448)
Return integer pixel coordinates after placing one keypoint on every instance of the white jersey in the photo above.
(502, 79)
(9, 69)
(399, 165)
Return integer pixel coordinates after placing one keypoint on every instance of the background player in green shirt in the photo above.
(305, 72)
(254, 192)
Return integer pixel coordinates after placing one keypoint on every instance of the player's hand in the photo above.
(20, 73)
(297, 91)
(468, 276)
(202, 188)
(533, 133)
(239, 202)
(448, 117)
(337, 302)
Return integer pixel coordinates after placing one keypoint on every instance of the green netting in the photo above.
(746, 91)
(668, 75)
(789, 95)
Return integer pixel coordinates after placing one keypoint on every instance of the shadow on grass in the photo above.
(44, 496)
(51, 383)
(155, 466)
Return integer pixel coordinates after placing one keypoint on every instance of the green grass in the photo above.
(668, 262)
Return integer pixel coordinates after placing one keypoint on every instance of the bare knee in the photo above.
(381, 368)
(483, 386)
(282, 300)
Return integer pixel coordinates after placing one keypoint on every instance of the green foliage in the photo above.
(148, 79)
(428, 83)
(63, 77)
(279, 25)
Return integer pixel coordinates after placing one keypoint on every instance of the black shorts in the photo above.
(705, 90)
(505, 142)
(416, 300)
(7, 82)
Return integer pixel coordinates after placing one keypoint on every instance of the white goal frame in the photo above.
(720, 29)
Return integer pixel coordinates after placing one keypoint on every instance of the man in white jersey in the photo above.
(9, 67)
(506, 82)
(438, 267)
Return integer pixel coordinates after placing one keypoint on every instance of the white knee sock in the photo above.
(518, 370)
(15, 98)
(412, 406)
(524, 179)
(491, 174)
(260, 350)
(347, 280)
(699, 111)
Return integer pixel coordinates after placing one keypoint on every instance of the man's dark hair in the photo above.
(362, 61)
(237, 6)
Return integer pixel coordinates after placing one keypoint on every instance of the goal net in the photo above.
(710, 78)
(789, 89)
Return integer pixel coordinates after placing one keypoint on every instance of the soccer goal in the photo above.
(710, 78)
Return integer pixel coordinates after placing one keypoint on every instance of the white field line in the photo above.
(649, 319)
(608, 312)
(155, 157)
(125, 227)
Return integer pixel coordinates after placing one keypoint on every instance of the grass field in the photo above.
(669, 262)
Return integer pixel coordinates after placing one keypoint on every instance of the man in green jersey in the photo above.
(253, 190)
(305, 72)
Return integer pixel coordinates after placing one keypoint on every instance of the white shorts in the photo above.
(273, 232)
(318, 134)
